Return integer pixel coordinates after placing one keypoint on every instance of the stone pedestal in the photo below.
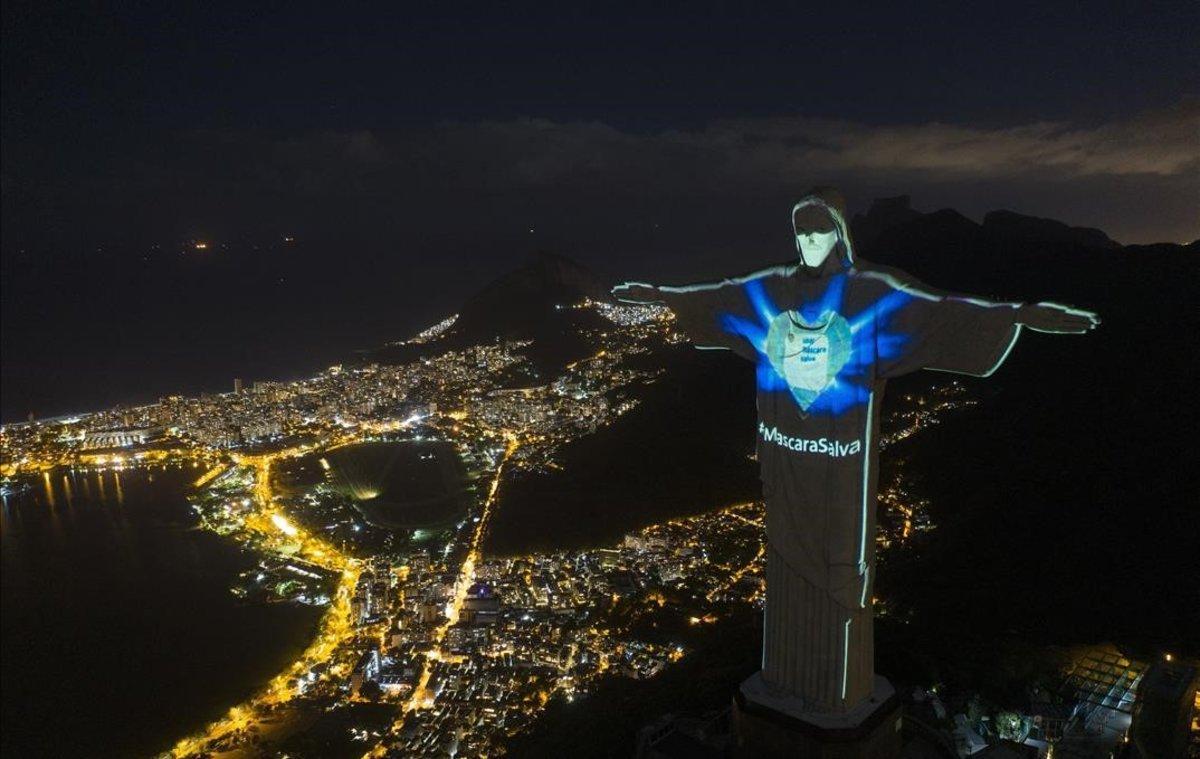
(767, 726)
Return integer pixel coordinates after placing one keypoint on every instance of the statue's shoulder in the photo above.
(773, 273)
(885, 277)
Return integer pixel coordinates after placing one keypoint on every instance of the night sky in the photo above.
(414, 154)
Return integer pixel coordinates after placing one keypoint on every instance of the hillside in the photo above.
(1076, 452)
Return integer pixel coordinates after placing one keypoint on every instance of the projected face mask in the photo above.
(815, 234)
(808, 356)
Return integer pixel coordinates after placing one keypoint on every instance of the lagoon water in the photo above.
(120, 635)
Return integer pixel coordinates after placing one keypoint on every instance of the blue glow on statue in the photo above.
(826, 333)
(813, 351)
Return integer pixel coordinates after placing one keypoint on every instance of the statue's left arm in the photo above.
(934, 329)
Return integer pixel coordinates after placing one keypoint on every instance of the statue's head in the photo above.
(818, 222)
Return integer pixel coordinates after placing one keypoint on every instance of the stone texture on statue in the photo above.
(813, 647)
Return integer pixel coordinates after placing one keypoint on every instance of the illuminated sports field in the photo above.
(402, 485)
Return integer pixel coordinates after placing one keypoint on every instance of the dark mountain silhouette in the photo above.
(1064, 494)
(883, 214)
(889, 217)
(944, 247)
(518, 303)
(528, 303)
(531, 303)
(1017, 226)
(684, 450)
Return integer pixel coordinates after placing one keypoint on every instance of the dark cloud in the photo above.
(1040, 166)
(1135, 177)
(539, 152)
(395, 226)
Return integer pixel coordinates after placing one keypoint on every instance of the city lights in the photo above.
(284, 526)
(458, 642)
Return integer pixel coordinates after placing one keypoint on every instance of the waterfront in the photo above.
(431, 640)
(117, 612)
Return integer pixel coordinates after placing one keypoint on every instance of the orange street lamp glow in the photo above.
(284, 525)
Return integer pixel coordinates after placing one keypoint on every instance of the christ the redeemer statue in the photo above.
(826, 332)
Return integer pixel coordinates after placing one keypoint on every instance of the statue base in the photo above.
(770, 726)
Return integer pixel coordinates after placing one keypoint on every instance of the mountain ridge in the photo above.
(1008, 256)
(887, 214)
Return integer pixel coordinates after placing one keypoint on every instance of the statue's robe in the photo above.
(825, 341)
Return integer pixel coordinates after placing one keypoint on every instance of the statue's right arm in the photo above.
(637, 292)
(698, 310)
(696, 306)
(643, 292)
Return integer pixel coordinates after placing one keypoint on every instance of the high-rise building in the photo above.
(481, 606)
(237, 384)
(366, 669)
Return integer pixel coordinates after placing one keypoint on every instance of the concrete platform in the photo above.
(768, 726)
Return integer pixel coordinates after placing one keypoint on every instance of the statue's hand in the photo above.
(1057, 319)
(637, 292)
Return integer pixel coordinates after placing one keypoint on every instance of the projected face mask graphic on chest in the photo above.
(808, 355)
(817, 351)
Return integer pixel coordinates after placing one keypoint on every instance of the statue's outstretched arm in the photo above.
(699, 293)
(637, 292)
(642, 292)
(699, 310)
(1056, 318)
(961, 333)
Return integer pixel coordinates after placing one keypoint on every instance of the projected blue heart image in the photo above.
(827, 363)
(808, 355)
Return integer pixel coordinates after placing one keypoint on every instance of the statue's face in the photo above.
(815, 246)
(815, 234)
